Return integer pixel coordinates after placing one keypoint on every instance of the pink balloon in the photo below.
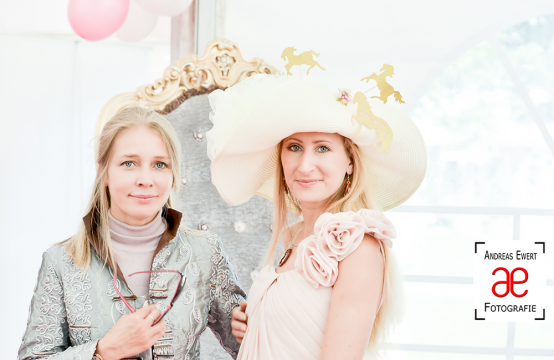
(96, 19)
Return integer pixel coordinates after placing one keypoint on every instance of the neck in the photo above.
(311, 213)
(157, 226)
(129, 220)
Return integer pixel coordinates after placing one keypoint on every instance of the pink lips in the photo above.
(306, 183)
(143, 199)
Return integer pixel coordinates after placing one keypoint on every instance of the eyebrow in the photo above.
(313, 142)
(134, 156)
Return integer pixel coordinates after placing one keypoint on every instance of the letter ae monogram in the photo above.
(510, 282)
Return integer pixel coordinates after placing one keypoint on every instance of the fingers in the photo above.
(143, 310)
(238, 326)
(239, 336)
(239, 314)
(158, 330)
(243, 306)
(241, 317)
(235, 313)
(238, 330)
(154, 333)
(238, 322)
(155, 313)
(150, 313)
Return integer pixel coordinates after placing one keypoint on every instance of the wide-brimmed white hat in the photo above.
(252, 117)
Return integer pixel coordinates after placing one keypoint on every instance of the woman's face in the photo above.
(314, 165)
(139, 176)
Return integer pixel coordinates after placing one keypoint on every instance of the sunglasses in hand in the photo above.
(180, 285)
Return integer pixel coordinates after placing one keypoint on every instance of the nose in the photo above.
(307, 163)
(145, 178)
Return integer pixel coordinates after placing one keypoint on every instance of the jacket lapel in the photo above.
(172, 217)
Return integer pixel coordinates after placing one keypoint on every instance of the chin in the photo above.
(311, 198)
(142, 212)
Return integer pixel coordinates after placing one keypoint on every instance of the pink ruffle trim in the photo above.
(336, 237)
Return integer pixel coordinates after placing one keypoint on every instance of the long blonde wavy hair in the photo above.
(78, 246)
(357, 198)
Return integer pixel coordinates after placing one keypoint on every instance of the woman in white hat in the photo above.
(336, 290)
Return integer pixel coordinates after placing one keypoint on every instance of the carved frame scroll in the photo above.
(222, 65)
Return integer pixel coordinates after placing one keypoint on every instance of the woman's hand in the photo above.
(239, 321)
(131, 334)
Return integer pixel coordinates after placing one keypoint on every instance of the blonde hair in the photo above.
(357, 198)
(78, 246)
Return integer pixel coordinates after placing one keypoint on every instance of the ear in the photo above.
(350, 168)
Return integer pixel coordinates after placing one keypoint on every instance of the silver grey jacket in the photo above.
(71, 310)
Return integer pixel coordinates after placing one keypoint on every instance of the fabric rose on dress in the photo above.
(378, 226)
(335, 237)
(317, 268)
(339, 234)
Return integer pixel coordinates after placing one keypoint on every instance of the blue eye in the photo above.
(161, 165)
(127, 163)
(295, 148)
(323, 149)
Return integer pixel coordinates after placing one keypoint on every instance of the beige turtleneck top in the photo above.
(134, 248)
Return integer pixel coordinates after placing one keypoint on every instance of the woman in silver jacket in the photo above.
(83, 305)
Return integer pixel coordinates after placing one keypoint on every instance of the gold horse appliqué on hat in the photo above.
(365, 116)
(382, 84)
(305, 58)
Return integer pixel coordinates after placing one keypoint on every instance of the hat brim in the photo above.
(245, 165)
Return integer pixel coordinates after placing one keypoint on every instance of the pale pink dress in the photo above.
(287, 312)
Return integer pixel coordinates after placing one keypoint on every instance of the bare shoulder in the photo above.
(361, 274)
(367, 256)
(369, 246)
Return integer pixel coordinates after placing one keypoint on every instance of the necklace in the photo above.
(287, 253)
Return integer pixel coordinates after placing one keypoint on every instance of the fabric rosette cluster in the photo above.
(335, 237)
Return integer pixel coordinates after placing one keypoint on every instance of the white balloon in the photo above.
(138, 24)
(163, 28)
(165, 7)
